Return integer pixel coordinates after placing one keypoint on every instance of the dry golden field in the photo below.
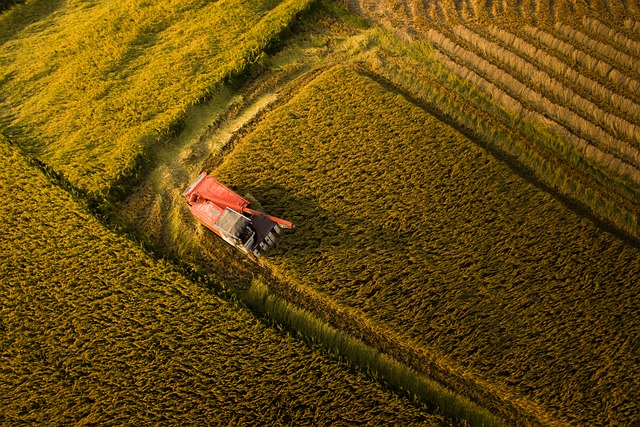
(92, 88)
(409, 225)
(464, 178)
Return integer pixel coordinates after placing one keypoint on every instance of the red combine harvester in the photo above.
(226, 213)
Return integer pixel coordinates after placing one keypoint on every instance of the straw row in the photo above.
(617, 40)
(535, 100)
(605, 51)
(514, 106)
(615, 102)
(549, 86)
(599, 67)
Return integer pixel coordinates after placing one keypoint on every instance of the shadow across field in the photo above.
(510, 161)
(23, 16)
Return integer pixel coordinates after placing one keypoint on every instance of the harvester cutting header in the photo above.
(227, 214)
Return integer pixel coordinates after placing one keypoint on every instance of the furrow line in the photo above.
(621, 42)
(511, 104)
(534, 100)
(607, 52)
(604, 71)
(550, 87)
(613, 102)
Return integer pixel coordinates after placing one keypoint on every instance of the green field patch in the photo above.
(95, 331)
(91, 86)
(418, 230)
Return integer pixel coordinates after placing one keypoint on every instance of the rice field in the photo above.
(97, 332)
(571, 67)
(451, 182)
(92, 88)
(412, 227)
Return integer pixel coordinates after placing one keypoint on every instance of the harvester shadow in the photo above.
(313, 224)
(323, 234)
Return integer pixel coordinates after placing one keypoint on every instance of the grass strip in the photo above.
(354, 351)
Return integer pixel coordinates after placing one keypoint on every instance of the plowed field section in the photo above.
(418, 230)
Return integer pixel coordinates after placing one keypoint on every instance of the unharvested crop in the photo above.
(413, 227)
(92, 86)
(95, 331)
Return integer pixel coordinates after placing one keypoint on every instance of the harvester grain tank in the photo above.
(227, 214)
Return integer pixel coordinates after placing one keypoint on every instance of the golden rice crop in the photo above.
(95, 331)
(90, 87)
(412, 226)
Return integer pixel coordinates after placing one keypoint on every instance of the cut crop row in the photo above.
(600, 68)
(534, 100)
(621, 131)
(619, 60)
(587, 149)
(607, 34)
(632, 26)
(517, 12)
(612, 101)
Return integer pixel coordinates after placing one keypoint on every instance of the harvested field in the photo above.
(570, 67)
(468, 211)
(409, 225)
(95, 331)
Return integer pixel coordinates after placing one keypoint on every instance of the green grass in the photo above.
(91, 87)
(418, 230)
(95, 331)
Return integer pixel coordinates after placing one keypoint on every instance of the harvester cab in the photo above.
(227, 214)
